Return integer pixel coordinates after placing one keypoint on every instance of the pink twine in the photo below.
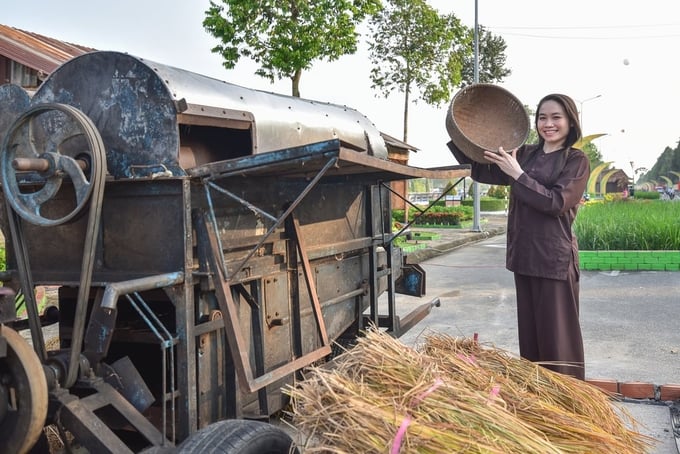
(467, 358)
(396, 445)
(437, 383)
(495, 391)
(398, 438)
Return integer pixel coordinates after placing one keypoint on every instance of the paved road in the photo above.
(629, 320)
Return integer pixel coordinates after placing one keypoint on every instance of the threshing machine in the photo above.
(207, 242)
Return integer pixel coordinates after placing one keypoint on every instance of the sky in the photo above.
(619, 64)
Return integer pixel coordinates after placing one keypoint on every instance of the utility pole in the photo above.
(475, 185)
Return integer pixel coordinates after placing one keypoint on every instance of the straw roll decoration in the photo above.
(485, 117)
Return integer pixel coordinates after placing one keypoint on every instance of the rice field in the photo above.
(645, 225)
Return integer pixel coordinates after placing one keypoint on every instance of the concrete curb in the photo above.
(437, 249)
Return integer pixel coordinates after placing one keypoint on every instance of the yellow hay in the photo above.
(452, 395)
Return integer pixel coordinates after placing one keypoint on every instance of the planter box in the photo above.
(630, 260)
(408, 248)
(426, 236)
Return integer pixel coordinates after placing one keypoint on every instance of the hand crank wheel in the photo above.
(45, 145)
(23, 394)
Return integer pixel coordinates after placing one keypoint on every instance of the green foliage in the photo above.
(647, 195)
(498, 192)
(424, 55)
(594, 155)
(418, 185)
(436, 215)
(285, 38)
(533, 135)
(667, 165)
(412, 46)
(629, 225)
(487, 204)
(491, 59)
(590, 149)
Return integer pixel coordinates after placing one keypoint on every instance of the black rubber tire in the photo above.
(239, 436)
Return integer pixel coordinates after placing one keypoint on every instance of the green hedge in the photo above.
(647, 195)
(436, 215)
(488, 204)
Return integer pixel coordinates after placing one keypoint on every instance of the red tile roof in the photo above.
(37, 51)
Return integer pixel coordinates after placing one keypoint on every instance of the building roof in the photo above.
(614, 175)
(37, 51)
(396, 143)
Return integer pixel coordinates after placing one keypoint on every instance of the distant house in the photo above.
(614, 180)
(26, 58)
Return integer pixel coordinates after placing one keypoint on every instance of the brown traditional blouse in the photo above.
(540, 240)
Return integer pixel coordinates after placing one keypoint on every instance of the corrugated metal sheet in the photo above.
(37, 51)
(396, 143)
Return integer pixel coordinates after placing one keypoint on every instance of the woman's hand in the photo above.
(507, 162)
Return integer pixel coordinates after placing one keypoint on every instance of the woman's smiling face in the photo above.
(552, 124)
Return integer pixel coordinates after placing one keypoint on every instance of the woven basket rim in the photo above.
(478, 150)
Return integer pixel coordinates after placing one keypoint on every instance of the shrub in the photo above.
(436, 215)
(647, 195)
(441, 218)
(487, 204)
(498, 192)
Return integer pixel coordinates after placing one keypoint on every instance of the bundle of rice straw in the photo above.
(452, 395)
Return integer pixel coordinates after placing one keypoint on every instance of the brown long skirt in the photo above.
(548, 322)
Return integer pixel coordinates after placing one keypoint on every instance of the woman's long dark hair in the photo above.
(570, 109)
(573, 136)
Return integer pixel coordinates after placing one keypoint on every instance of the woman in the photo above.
(547, 181)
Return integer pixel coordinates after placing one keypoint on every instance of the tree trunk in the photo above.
(406, 100)
(296, 83)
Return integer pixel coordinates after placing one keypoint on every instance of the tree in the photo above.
(533, 134)
(491, 59)
(285, 37)
(666, 164)
(413, 47)
(594, 155)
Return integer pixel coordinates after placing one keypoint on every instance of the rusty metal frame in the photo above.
(233, 332)
(277, 221)
(224, 280)
(311, 287)
(78, 414)
(394, 324)
(108, 301)
(167, 343)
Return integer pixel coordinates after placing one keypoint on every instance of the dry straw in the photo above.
(452, 395)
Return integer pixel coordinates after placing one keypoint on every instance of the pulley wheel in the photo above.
(45, 145)
(23, 394)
